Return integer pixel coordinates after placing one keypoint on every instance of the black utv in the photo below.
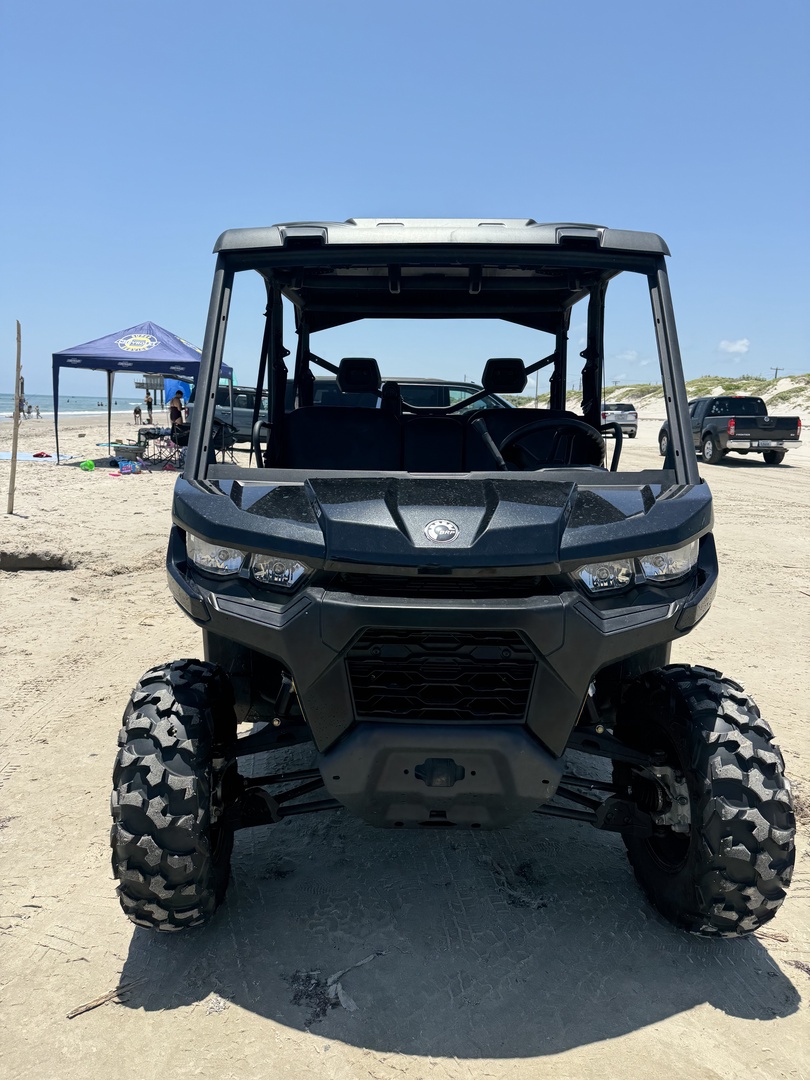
(443, 604)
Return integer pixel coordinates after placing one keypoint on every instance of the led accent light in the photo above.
(271, 570)
(607, 575)
(214, 558)
(670, 564)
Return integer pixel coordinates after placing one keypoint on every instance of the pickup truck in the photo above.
(739, 424)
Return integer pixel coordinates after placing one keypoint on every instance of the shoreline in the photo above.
(63, 416)
(80, 435)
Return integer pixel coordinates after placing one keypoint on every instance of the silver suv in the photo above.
(623, 415)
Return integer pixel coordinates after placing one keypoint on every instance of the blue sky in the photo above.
(135, 133)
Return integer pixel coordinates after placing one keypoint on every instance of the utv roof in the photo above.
(388, 231)
(512, 269)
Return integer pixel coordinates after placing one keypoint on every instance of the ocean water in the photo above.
(76, 406)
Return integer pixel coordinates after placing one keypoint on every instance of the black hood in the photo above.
(452, 524)
(442, 523)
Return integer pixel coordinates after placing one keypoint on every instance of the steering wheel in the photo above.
(558, 427)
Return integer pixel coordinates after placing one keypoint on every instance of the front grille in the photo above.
(441, 674)
(430, 587)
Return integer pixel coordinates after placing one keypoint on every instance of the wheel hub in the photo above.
(670, 806)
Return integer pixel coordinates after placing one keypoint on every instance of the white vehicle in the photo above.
(623, 415)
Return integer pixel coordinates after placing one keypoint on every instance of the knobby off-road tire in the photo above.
(728, 875)
(774, 457)
(172, 863)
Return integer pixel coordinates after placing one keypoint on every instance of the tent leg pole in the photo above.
(56, 407)
(110, 377)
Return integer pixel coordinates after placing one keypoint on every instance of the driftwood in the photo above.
(335, 992)
(122, 988)
(16, 429)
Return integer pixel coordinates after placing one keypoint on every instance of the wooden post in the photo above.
(13, 474)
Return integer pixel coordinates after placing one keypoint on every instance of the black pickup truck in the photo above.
(739, 424)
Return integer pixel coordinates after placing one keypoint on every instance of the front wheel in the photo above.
(722, 848)
(663, 444)
(774, 457)
(171, 858)
(711, 451)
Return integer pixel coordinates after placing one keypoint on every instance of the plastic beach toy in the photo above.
(88, 466)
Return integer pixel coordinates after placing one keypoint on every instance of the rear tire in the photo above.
(774, 457)
(726, 874)
(663, 444)
(171, 860)
(712, 454)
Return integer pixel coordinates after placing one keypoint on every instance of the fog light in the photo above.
(213, 558)
(271, 570)
(670, 564)
(606, 575)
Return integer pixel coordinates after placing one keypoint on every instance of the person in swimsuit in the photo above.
(176, 410)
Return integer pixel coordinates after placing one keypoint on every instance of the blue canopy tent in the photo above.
(145, 349)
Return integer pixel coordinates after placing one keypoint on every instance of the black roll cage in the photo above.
(291, 274)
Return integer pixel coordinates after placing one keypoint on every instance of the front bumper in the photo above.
(318, 634)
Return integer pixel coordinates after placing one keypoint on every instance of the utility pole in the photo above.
(776, 371)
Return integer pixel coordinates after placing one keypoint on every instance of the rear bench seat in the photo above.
(331, 437)
(337, 437)
(340, 437)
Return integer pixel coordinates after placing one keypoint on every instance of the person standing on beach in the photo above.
(37, 413)
(148, 401)
(176, 410)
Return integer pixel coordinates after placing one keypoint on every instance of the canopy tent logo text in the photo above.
(137, 342)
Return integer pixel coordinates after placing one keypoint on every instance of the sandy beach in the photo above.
(524, 953)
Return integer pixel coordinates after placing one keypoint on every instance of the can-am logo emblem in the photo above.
(440, 532)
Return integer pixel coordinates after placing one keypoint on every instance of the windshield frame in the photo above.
(602, 266)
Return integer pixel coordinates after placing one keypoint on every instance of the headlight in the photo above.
(213, 558)
(606, 575)
(271, 570)
(670, 564)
